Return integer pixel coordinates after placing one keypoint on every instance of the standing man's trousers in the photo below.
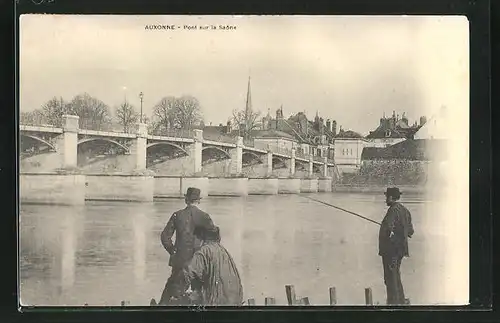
(174, 286)
(392, 280)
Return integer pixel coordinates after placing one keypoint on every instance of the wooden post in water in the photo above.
(304, 301)
(251, 302)
(368, 296)
(290, 294)
(333, 296)
(270, 301)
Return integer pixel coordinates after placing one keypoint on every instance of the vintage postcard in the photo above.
(243, 160)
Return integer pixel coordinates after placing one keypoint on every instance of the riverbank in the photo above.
(75, 189)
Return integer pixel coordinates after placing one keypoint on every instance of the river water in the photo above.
(105, 252)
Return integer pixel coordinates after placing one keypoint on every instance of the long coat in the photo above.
(398, 221)
(183, 223)
(214, 268)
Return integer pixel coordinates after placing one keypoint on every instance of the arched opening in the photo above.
(212, 154)
(300, 166)
(250, 158)
(160, 152)
(92, 150)
(279, 162)
(31, 145)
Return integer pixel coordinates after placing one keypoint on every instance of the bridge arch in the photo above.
(51, 146)
(250, 158)
(167, 144)
(279, 161)
(216, 149)
(82, 141)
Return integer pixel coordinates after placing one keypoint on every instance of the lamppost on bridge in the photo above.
(141, 96)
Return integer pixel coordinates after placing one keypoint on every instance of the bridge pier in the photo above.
(269, 163)
(67, 143)
(292, 163)
(236, 164)
(311, 168)
(196, 151)
(325, 167)
(138, 148)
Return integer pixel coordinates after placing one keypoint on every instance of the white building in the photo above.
(348, 149)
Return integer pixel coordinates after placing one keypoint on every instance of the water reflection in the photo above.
(104, 252)
(68, 245)
(140, 225)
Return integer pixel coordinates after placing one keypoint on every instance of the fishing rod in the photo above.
(339, 208)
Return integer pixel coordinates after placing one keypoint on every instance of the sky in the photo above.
(351, 69)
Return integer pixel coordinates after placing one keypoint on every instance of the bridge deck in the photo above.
(262, 151)
(106, 133)
(23, 127)
(218, 143)
(163, 138)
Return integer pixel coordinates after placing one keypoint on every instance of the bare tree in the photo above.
(246, 121)
(162, 113)
(53, 111)
(94, 114)
(34, 117)
(176, 113)
(126, 116)
(186, 113)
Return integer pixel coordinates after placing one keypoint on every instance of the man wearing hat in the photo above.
(395, 230)
(183, 223)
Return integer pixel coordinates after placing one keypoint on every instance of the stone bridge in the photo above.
(179, 153)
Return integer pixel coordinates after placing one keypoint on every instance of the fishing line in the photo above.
(339, 208)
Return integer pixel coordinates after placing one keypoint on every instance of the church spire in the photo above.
(248, 107)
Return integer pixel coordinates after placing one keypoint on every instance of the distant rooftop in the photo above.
(271, 133)
(349, 134)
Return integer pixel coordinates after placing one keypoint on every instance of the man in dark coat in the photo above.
(183, 223)
(395, 230)
(214, 271)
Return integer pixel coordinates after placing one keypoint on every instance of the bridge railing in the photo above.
(281, 150)
(318, 158)
(37, 124)
(174, 133)
(249, 142)
(301, 154)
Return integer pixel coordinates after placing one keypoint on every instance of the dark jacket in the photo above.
(398, 221)
(183, 223)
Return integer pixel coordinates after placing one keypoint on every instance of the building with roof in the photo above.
(348, 147)
(393, 130)
(314, 137)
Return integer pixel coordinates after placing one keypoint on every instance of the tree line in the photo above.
(169, 113)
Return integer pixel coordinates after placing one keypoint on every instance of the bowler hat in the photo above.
(393, 191)
(193, 194)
